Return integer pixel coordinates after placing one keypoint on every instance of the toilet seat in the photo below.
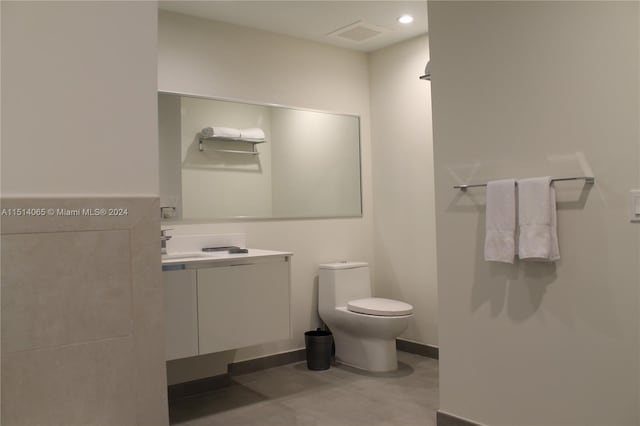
(380, 307)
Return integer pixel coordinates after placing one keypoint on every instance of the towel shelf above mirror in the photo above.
(223, 139)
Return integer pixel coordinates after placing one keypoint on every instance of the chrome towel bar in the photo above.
(254, 151)
(588, 180)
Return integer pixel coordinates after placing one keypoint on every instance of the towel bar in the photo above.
(232, 151)
(201, 140)
(588, 180)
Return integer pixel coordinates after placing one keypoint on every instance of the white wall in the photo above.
(529, 89)
(267, 68)
(404, 233)
(79, 109)
(79, 115)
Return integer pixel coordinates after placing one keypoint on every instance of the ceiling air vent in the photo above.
(358, 32)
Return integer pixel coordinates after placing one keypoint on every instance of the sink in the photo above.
(187, 255)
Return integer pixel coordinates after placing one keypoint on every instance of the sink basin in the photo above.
(187, 255)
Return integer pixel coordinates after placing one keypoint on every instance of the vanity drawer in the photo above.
(243, 305)
(181, 313)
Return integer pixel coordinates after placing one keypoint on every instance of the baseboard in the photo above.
(446, 419)
(208, 384)
(251, 365)
(418, 348)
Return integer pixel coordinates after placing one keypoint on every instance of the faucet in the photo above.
(163, 240)
(168, 212)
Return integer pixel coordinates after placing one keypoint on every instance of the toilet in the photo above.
(364, 328)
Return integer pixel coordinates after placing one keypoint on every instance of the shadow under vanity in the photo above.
(217, 301)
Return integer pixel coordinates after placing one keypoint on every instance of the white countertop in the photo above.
(202, 259)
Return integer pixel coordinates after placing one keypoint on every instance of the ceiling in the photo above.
(317, 20)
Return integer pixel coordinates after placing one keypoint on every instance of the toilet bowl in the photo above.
(364, 328)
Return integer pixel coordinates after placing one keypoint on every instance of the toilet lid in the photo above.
(379, 306)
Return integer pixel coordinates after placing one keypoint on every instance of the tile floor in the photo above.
(291, 395)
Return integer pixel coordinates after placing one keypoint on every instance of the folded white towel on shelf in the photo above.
(220, 132)
(253, 134)
(537, 220)
(499, 242)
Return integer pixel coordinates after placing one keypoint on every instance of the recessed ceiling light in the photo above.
(405, 19)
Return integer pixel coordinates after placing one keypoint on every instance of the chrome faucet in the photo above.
(168, 212)
(163, 240)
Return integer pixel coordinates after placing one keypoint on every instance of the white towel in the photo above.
(253, 134)
(537, 220)
(221, 132)
(499, 241)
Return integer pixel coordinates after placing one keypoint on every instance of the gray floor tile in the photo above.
(291, 395)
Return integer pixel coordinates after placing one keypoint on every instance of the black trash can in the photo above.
(318, 344)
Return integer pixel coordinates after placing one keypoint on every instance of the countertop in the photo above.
(199, 259)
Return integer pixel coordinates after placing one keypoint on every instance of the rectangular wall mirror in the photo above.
(306, 166)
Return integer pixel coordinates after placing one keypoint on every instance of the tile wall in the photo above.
(82, 323)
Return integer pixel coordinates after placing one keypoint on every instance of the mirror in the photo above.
(306, 166)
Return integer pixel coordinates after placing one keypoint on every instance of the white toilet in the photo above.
(364, 328)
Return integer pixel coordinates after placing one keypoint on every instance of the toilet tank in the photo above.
(339, 283)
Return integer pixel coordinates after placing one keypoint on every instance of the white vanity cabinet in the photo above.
(217, 304)
(243, 305)
(181, 313)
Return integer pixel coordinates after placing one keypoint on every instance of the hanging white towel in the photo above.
(499, 242)
(221, 132)
(537, 220)
(253, 134)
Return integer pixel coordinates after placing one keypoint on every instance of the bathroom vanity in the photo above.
(221, 301)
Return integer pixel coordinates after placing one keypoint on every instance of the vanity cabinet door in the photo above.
(243, 305)
(181, 314)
